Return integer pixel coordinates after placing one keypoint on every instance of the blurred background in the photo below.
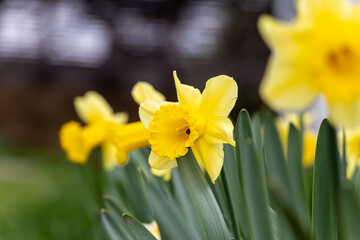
(52, 51)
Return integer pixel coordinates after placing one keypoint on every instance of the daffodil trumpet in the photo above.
(127, 138)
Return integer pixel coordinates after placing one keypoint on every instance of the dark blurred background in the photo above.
(52, 51)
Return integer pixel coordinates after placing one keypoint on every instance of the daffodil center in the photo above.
(341, 60)
(173, 129)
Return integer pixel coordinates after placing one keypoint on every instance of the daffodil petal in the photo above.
(219, 96)
(219, 130)
(165, 173)
(92, 107)
(187, 95)
(347, 115)
(121, 118)
(283, 88)
(108, 151)
(210, 155)
(283, 37)
(161, 163)
(148, 108)
(143, 91)
(351, 167)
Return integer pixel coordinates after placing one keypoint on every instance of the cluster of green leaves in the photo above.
(260, 194)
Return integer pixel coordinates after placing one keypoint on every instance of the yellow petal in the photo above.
(79, 141)
(313, 8)
(347, 115)
(121, 118)
(154, 229)
(285, 88)
(92, 107)
(127, 138)
(161, 163)
(219, 130)
(187, 95)
(165, 173)
(309, 147)
(143, 91)
(210, 155)
(351, 167)
(148, 108)
(277, 33)
(219, 96)
(108, 151)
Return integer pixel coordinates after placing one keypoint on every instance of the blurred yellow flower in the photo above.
(198, 121)
(352, 143)
(153, 228)
(317, 53)
(309, 137)
(78, 142)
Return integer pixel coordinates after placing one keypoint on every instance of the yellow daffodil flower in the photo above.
(153, 228)
(352, 143)
(79, 141)
(316, 53)
(198, 120)
(309, 138)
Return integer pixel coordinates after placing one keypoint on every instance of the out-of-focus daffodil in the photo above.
(309, 137)
(153, 228)
(198, 120)
(78, 141)
(316, 53)
(352, 143)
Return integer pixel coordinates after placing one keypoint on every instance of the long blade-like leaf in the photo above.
(325, 184)
(137, 228)
(203, 199)
(253, 183)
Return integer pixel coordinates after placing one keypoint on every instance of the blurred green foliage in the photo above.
(43, 196)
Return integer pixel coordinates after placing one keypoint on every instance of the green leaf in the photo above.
(138, 229)
(115, 228)
(349, 215)
(257, 133)
(325, 184)
(253, 183)
(230, 176)
(297, 180)
(199, 191)
(290, 221)
(275, 224)
(114, 206)
(184, 201)
(274, 155)
(171, 222)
